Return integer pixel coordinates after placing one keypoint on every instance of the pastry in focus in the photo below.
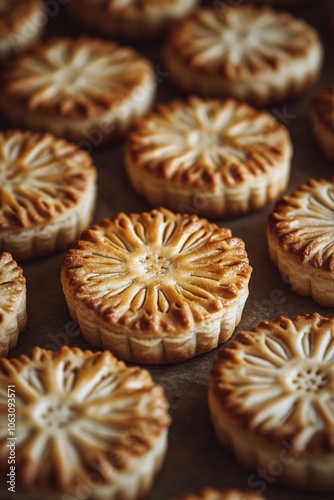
(322, 114)
(213, 494)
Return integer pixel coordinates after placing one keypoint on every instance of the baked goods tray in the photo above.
(195, 459)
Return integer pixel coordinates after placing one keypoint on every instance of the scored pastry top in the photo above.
(158, 273)
(12, 287)
(303, 223)
(78, 78)
(42, 178)
(278, 380)
(323, 107)
(213, 494)
(208, 142)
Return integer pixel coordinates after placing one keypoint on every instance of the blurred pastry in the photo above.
(322, 114)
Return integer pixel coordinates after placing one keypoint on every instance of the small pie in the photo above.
(301, 240)
(134, 20)
(271, 398)
(13, 311)
(85, 425)
(250, 53)
(156, 287)
(48, 190)
(217, 158)
(21, 24)
(322, 113)
(212, 494)
(86, 90)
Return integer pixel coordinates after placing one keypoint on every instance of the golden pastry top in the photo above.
(12, 288)
(213, 494)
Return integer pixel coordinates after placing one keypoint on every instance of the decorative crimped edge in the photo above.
(214, 494)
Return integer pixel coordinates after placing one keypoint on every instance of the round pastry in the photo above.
(322, 113)
(86, 90)
(301, 240)
(271, 400)
(212, 494)
(253, 54)
(134, 20)
(219, 158)
(156, 287)
(85, 426)
(48, 190)
(21, 24)
(13, 310)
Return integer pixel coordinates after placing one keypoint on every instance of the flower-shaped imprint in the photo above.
(301, 240)
(13, 312)
(218, 158)
(84, 423)
(212, 494)
(134, 20)
(253, 54)
(271, 399)
(21, 24)
(47, 193)
(156, 287)
(87, 90)
(322, 113)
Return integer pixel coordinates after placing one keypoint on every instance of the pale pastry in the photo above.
(322, 114)
(86, 90)
(84, 423)
(216, 158)
(13, 310)
(301, 240)
(213, 494)
(250, 53)
(48, 191)
(156, 287)
(271, 398)
(134, 20)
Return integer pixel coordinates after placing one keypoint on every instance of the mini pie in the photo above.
(250, 53)
(212, 494)
(156, 287)
(134, 20)
(301, 240)
(13, 311)
(86, 90)
(322, 113)
(86, 426)
(21, 24)
(220, 158)
(271, 398)
(48, 190)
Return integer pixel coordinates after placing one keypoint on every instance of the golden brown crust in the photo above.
(14, 12)
(213, 494)
(322, 105)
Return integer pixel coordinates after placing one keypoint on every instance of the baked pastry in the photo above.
(322, 113)
(156, 287)
(134, 20)
(48, 190)
(301, 240)
(250, 53)
(212, 494)
(21, 24)
(86, 90)
(85, 423)
(218, 158)
(13, 310)
(271, 400)
(282, 3)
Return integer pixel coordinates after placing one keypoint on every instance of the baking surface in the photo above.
(194, 459)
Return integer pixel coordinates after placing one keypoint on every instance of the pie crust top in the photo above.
(14, 12)
(79, 78)
(303, 223)
(323, 107)
(130, 8)
(42, 178)
(158, 273)
(277, 381)
(79, 413)
(208, 142)
(240, 42)
(212, 494)
(12, 288)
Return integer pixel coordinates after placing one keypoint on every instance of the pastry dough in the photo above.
(213, 494)
(322, 113)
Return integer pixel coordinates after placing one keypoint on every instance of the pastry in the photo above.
(134, 20)
(48, 189)
(212, 494)
(250, 53)
(86, 90)
(322, 113)
(86, 426)
(156, 287)
(21, 24)
(13, 311)
(217, 158)
(282, 3)
(301, 240)
(271, 398)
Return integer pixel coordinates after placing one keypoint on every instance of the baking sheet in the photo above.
(194, 459)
